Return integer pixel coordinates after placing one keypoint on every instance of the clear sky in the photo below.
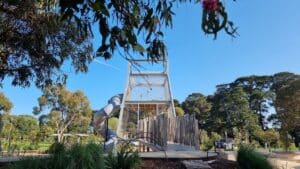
(268, 43)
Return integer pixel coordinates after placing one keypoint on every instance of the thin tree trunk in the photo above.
(60, 135)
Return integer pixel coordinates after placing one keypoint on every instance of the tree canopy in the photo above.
(179, 111)
(5, 107)
(288, 105)
(68, 111)
(38, 37)
(242, 108)
(196, 103)
(26, 125)
(5, 104)
(35, 42)
(258, 92)
(231, 111)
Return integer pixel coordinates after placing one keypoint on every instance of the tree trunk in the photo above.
(60, 136)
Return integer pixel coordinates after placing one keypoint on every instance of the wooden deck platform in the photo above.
(143, 155)
(177, 154)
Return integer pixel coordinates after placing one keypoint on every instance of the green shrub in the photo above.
(43, 146)
(77, 157)
(215, 137)
(255, 144)
(113, 123)
(248, 158)
(81, 157)
(203, 139)
(29, 147)
(86, 157)
(56, 148)
(179, 111)
(124, 159)
(29, 162)
(292, 147)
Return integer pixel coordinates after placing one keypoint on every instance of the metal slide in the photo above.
(100, 116)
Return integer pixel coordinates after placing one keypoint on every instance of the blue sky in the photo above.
(268, 43)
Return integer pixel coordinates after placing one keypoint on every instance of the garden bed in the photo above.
(218, 163)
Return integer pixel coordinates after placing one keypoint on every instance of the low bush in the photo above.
(292, 147)
(29, 162)
(248, 158)
(80, 156)
(56, 148)
(30, 147)
(86, 157)
(124, 159)
(77, 157)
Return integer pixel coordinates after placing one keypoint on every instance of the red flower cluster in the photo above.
(210, 5)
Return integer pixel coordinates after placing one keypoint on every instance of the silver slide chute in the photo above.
(112, 107)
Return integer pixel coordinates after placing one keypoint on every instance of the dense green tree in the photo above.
(45, 132)
(287, 105)
(268, 137)
(176, 103)
(26, 126)
(242, 108)
(18, 131)
(203, 138)
(231, 110)
(215, 137)
(35, 41)
(259, 94)
(196, 103)
(5, 107)
(263, 94)
(9, 132)
(178, 108)
(121, 23)
(38, 37)
(5, 104)
(82, 125)
(67, 109)
(285, 89)
(281, 79)
(286, 139)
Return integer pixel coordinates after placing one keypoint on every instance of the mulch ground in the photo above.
(219, 163)
(161, 164)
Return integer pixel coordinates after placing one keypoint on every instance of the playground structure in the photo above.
(146, 111)
(147, 94)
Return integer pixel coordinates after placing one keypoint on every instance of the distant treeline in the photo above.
(251, 108)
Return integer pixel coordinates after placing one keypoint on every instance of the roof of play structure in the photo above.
(148, 82)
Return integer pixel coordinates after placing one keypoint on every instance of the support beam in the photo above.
(147, 102)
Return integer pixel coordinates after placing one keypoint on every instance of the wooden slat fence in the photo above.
(161, 129)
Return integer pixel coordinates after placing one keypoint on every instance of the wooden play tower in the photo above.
(147, 94)
(147, 110)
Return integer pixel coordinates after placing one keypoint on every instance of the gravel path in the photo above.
(283, 164)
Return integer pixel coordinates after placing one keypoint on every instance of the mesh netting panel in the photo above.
(146, 88)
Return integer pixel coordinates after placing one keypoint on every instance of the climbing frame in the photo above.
(147, 94)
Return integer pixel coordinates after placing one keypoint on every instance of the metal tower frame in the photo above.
(145, 91)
